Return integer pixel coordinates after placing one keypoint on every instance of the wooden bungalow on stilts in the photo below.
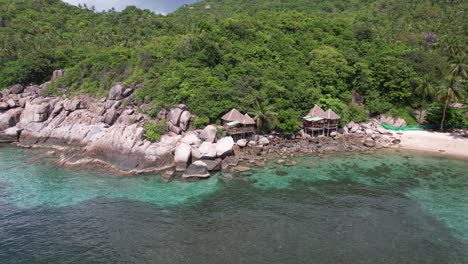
(238, 125)
(332, 121)
(318, 122)
(314, 123)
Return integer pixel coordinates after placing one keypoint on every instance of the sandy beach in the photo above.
(435, 142)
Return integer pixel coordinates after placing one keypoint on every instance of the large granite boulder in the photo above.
(111, 116)
(242, 143)
(173, 128)
(207, 150)
(192, 139)
(127, 92)
(184, 120)
(116, 92)
(12, 103)
(10, 118)
(174, 116)
(4, 106)
(393, 121)
(263, 141)
(182, 156)
(36, 111)
(17, 89)
(198, 169)
(209, 134)
(224, 147)
(370, 143)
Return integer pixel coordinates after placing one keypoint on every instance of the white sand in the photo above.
(441, 143)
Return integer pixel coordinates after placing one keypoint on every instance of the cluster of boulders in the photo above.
(375, 135)
(111, 131)
(393, 121)
(200, 152)
(178, 118)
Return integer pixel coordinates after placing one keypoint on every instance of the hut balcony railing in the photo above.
(240, 130)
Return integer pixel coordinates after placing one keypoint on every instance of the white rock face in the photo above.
(182, 156)
(174, 116)
(263, 141)
(192, 139)
(207, 150)
(224, 146)
(241, 143)
(209, 134)
(116, 92)
(184, 120)
(10, 118)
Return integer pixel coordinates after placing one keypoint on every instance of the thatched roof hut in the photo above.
(248, 121)
(329, 114)
(316, 111)
(233, 115)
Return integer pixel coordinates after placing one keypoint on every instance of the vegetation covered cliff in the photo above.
(270, 57)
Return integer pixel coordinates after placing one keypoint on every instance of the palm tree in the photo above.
(264, 115)
(425, 90)
(449, 93)
(459, 67)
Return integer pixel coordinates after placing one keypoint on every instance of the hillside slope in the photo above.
(259, 56)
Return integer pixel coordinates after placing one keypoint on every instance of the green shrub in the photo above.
(454, 117)
(406, 113)
(153, 131)
(357, 113)
(201, 122)
(219, 132)
(154, 112)
(289, 122)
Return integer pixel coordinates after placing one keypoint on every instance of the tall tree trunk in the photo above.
(421, 111)
(443, 116)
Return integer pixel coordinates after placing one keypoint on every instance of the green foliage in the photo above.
(264, 116)
(288, 122)
(454, 117)
(291, 54)
(406, 113)
(219, 132)
(201, 122)
(154, 112)
(153, 131)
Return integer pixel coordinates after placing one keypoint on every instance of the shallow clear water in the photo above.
(360, 208)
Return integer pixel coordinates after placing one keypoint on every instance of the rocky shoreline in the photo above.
(109, 133)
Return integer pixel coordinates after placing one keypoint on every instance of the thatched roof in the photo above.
(233, 115)
(331, 115)
(248, 120)
(316, 112)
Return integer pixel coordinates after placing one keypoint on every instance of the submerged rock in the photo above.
(281, 173)
(213, 165)
(198, 169)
